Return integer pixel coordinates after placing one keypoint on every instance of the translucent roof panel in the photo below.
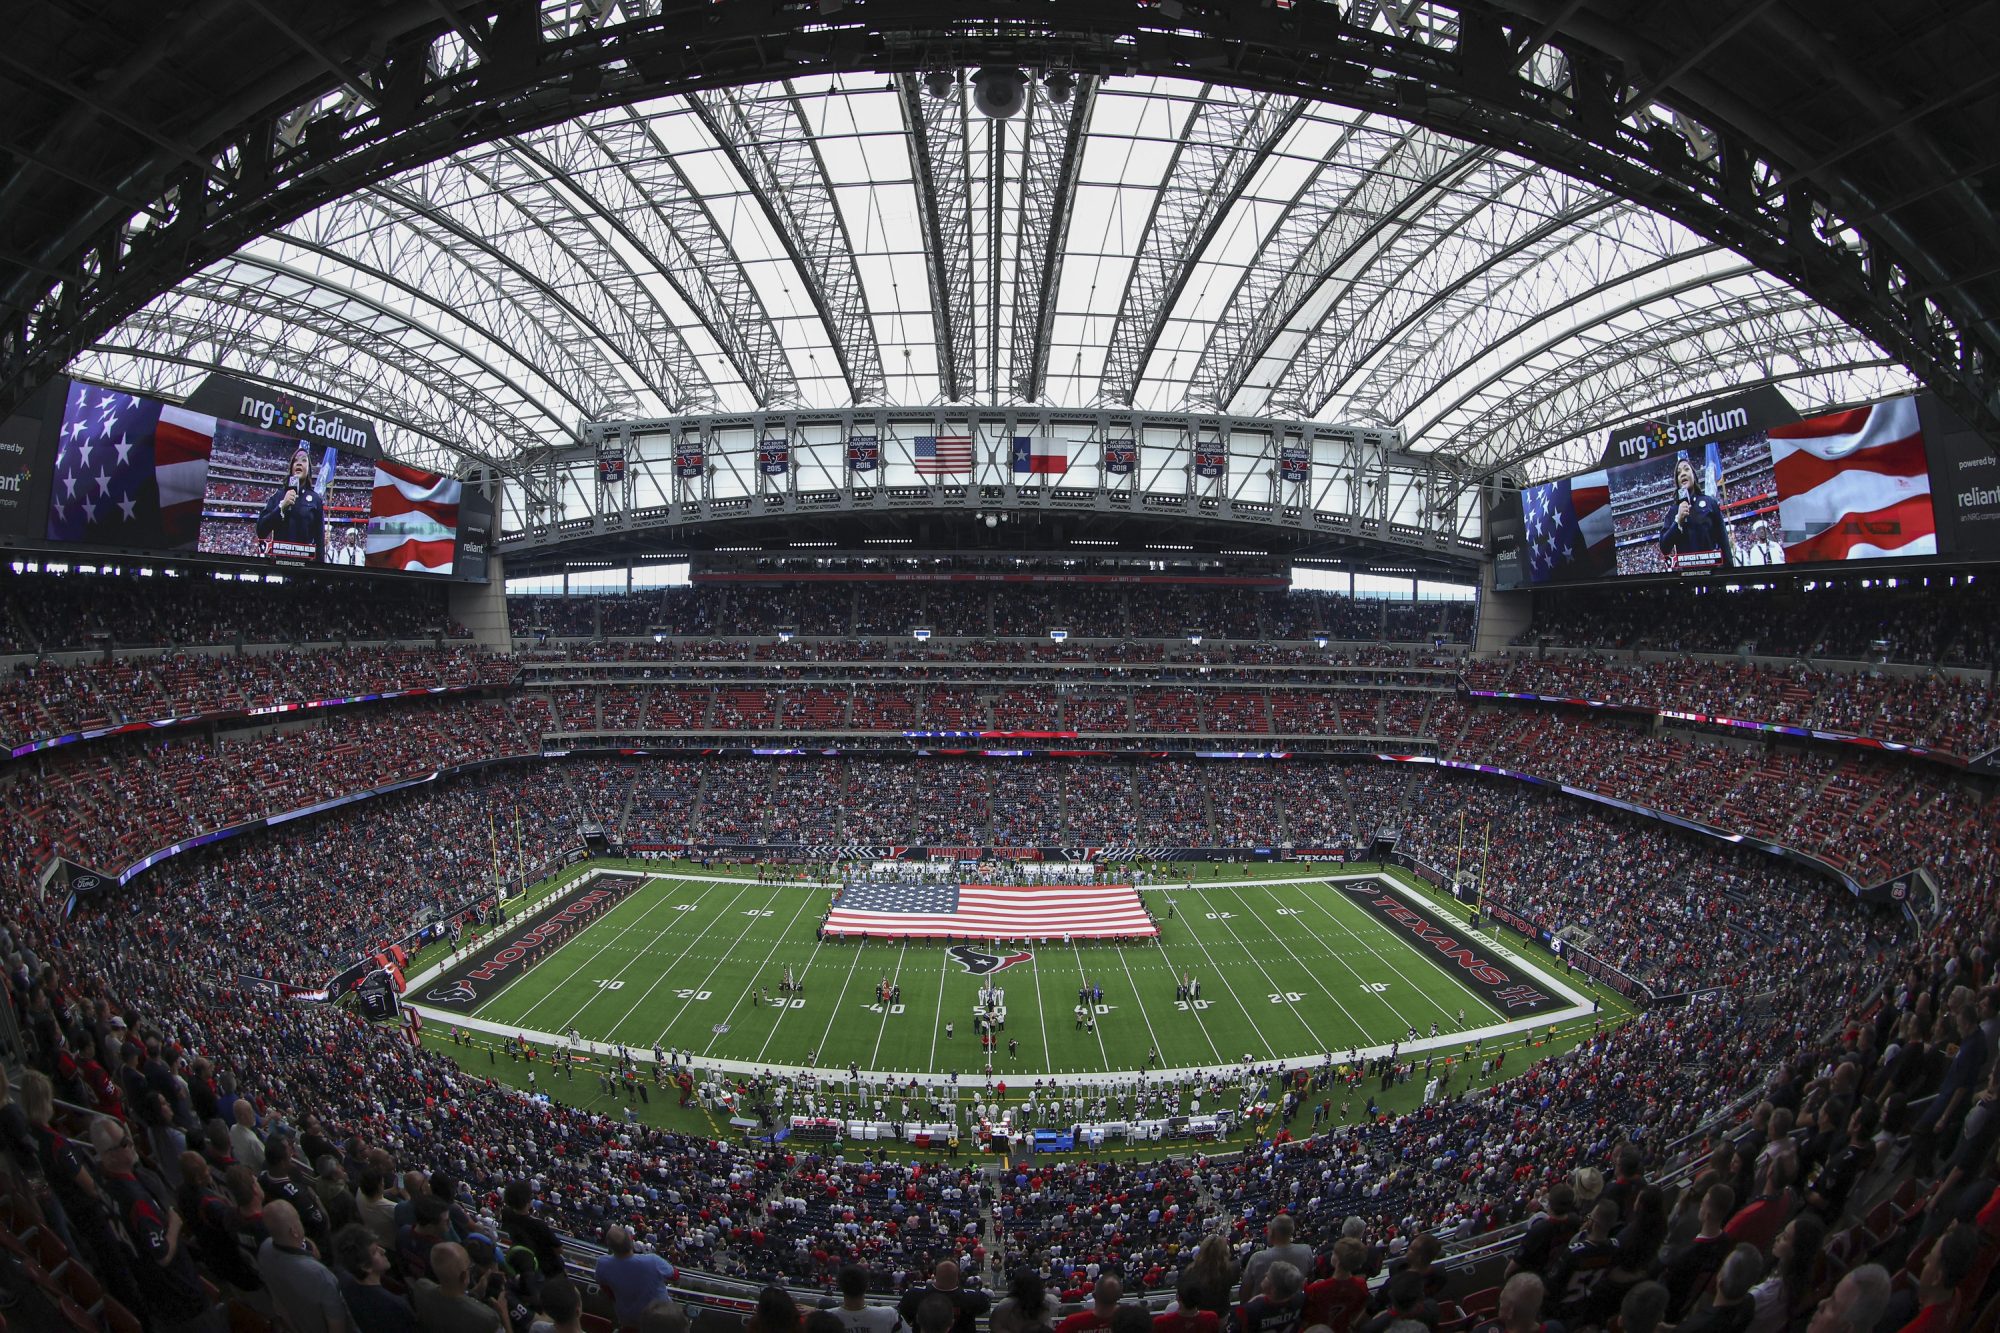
(852, 240)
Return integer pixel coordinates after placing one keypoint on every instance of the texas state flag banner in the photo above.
(1854, 485)
(412, 519)
(1035, 456)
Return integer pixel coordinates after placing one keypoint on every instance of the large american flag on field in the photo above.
(990, 911)
(1852, 485)
(412, 519)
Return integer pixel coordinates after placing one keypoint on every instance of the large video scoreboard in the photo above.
(238, 473)
(1744, 483)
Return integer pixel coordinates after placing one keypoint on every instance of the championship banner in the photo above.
(689, 461)
(774, 457)
(611, 464)
(1121, 457)
(864, 453)
(1294, 462)
(1210, 459)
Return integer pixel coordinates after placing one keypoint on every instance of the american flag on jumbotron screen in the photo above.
(942, 455)
(1854, 485)
(413, 519)
(129, 470)
(990, 911)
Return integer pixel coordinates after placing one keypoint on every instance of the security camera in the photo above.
(999, 92)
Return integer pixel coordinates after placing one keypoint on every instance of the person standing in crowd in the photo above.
(634, 1280)
(969, 1306)
(305, 1291)
(1282, 1249)
(858, 1316)
(163, 1264)
(444, 1304)
(362, 1264)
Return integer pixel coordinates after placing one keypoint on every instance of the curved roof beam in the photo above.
(404, 319)
(941, 157)
(1707, 344)
(399, 234)
(769, 141)
(1579, 284)
(1370, 186)
(636, 179)
(1053, 154)
(1228, 135)
(642, 335)
(1519, 210)
(321, 334)
(1577, 318)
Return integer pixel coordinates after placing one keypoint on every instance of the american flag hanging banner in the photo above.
(943, 455)
(1855, 485)
(1121, 457)
(688, 459)
(990, 911)
(1209, 459)
(864, 452)
(774, 458)
(129, 471)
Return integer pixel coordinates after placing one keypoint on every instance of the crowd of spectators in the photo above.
(47, 613)
(1952, 620)
(977, 610)
(1955, 714)
(376, 1124)
(51, 697)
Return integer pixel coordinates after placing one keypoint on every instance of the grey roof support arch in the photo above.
(761, 136)
(942, 160)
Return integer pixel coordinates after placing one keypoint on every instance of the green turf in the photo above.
(1287, 970)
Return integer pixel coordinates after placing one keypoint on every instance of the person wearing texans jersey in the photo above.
(161, 1264)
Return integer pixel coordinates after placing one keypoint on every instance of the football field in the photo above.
(1291, 969)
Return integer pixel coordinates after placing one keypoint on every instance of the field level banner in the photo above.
(1459, 952)
(485, 973)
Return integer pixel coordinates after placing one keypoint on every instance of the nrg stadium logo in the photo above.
(1654, 437)
(283, 414)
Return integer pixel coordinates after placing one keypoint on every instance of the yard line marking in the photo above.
(779, 943)
(799, 989)
(724, 957)
(937, 1019)
(592, 955)
(1358, 1025)
(1091, 1007)
(610, 1033)
(1201, 1022)
(1251, 955)
(1387, 962)
(834, 1016)
(895, 979)
(1219, 971)
(1041, 1007)
(1131, 981)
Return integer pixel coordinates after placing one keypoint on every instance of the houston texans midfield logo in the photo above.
(979, 962)
(459, 992)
